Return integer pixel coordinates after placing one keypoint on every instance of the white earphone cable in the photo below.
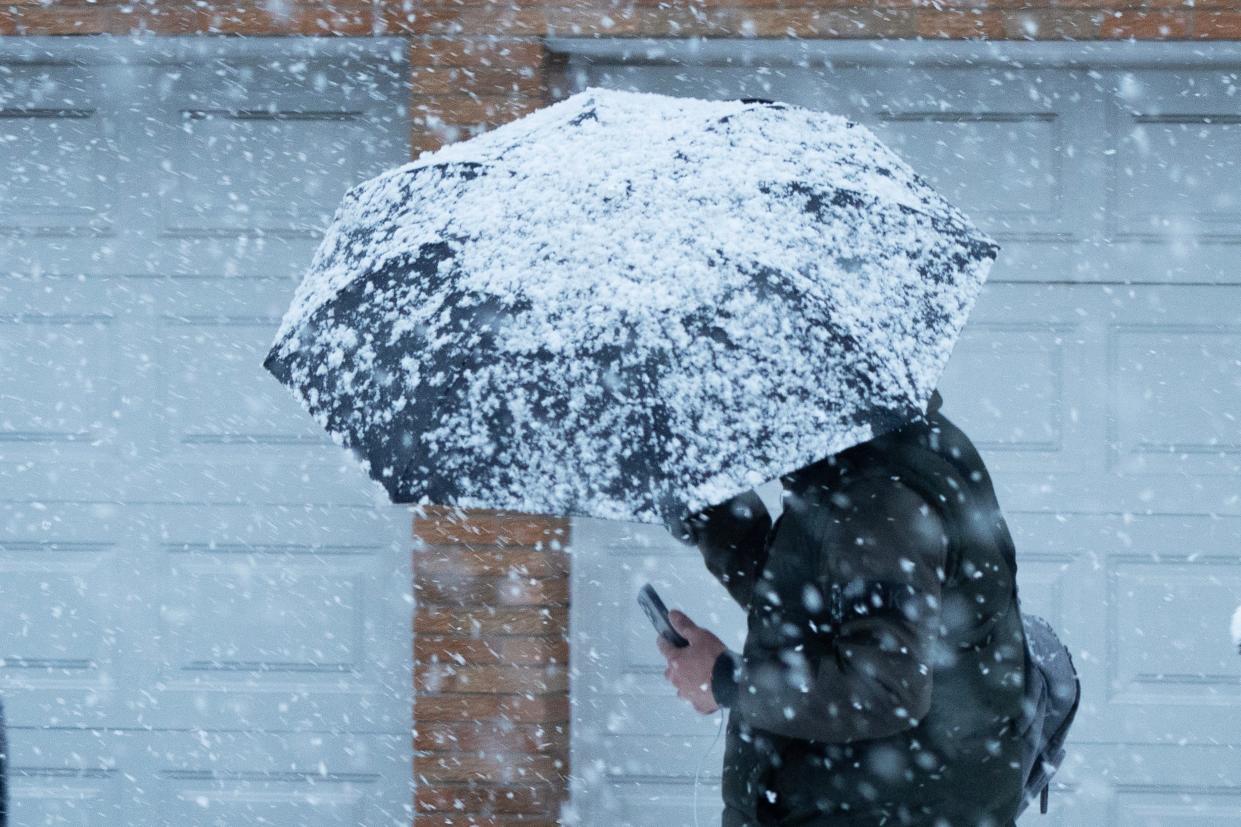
(703, 760)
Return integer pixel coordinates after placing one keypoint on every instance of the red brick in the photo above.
(65, 18)
(438, 620)
(421, 141)
(1222, 5)
(442, 524)
(602, 20)
(546, 709)
(517, 651)
(960, 5)
(1145, 25)
(1052, 24)
(478, 820)
(459, 650)
(455, 589)
(448, 18)
(1217, 25)
(1098, 5)
(501, 736)
(464, 560)
(526, 82)
(492, 679)
(843, 22)
(525, 799)
(535, 650)
(254, 17)
(501, 768)
(961, 25)
(163, 19)
(490, 52)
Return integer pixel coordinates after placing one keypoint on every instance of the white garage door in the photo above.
(1100, 376)
(204, 616)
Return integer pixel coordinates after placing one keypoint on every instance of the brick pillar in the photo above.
(491, 652)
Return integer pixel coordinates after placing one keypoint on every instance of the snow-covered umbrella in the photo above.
(629, 306)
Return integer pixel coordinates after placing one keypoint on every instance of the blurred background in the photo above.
(211, 617)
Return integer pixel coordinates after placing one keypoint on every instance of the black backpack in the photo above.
(1052, 694)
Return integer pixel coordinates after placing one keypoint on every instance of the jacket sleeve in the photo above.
(862, 668)
(732, 537)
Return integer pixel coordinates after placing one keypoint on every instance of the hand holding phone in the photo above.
(655, 610)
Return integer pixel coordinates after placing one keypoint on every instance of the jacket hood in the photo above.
(799, 479)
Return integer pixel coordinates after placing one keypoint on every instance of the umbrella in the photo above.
(628, 305)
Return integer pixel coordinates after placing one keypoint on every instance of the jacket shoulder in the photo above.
(875, 524)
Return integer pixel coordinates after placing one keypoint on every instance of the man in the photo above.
(881, 678)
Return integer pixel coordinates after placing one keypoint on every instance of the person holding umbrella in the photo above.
(881, 681)
(632, 306)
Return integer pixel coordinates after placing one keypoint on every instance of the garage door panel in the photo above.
(59, 148)
(1178, 140)
(1022, 381)
(1175, 211)
(1148, 785)
(221, 427)
(252, 161)
(58, 383)
(59, 658)
(1011, 147)
(117, 776)
(1146, 602)
(1042, 583)
(193, 802)
(54, 597)
(1177, 394)
(217, 400)
(69, 797)
(266, 622)
(72, 138)
(1163, 609)
(1026, 363)
(61, 614)
(186, 556)
(941, 143)
(1137, 395)
(240, 613)
(57, 158)
(1178, 807)
(289, 160)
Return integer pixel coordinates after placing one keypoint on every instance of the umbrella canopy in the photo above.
(629, 305)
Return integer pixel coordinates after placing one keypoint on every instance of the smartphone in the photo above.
(657, 612)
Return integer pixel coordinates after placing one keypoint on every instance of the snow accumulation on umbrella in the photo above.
(750, 276)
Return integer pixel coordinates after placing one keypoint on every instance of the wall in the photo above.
(490, 627)
(491, 661)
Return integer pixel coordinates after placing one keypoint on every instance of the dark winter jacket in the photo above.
(881, 677)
